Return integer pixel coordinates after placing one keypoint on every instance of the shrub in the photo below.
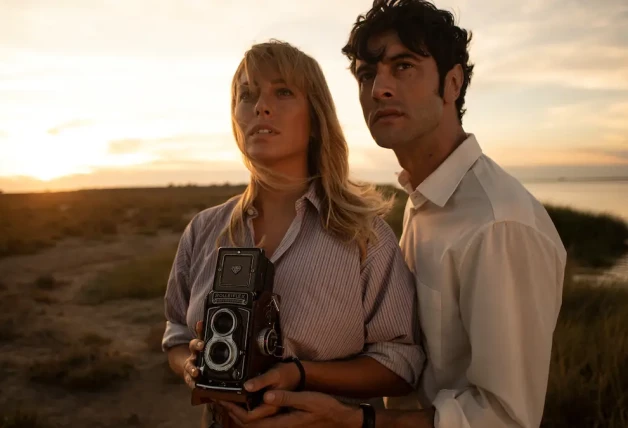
(588, 382)
(82, 368)
(143, 278)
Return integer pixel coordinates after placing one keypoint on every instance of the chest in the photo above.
(320, 293)
(269, 233)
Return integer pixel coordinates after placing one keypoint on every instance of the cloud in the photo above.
(536, 155)
(201, 173)
(572, 44)
(174, 146)
(78, 123)
(120, 147)
(601, 116)
(562, 64)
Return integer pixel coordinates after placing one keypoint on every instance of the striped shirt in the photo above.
(333, 304)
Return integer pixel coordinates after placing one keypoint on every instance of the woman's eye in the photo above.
(244, 95)
(284, 92)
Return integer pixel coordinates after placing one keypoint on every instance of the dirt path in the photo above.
(37, 325)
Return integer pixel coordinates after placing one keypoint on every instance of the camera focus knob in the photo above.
(267, 341)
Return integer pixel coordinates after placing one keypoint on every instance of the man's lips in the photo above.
(386, 113)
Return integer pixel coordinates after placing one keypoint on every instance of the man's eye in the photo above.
(363, 77)
(404, 65)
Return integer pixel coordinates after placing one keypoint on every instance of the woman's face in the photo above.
(275, 120)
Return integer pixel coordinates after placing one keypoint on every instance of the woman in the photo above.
(346, 292)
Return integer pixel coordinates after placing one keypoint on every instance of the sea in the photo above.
(594, 196)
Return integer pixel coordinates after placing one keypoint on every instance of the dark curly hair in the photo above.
(422, 28)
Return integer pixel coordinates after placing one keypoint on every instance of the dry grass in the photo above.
(21, 418)
(143, 278)
(154, 336)
(30, 223)
(16, 313)
(588, 384)
(45, 282)
(88, 368)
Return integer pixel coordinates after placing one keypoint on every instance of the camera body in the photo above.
(241, 329)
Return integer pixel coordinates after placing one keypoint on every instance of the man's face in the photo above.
(399, 94)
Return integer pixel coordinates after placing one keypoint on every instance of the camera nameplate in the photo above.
(230, 298)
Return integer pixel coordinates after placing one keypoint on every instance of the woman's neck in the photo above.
(271, 203)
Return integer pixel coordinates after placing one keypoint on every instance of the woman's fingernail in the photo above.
(248, 386)
(270, 396)
(200, 345)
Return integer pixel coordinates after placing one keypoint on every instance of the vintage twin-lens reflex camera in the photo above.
(241, 328)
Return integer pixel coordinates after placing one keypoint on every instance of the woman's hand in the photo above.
(189, 366)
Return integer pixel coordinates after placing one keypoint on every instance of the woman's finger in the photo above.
(190, 368)
(195, 345)
(189, 381)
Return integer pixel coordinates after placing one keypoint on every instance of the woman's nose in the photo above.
(262, 108)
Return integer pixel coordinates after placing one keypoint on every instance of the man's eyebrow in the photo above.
(363, 67)
(402, 55)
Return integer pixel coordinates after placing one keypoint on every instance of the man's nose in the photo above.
(383, 87)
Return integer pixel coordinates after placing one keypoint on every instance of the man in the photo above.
(487, 259)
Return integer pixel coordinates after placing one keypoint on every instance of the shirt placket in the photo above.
(289, 237)
(292, 233)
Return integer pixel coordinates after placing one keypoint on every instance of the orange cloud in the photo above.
(542, 156)
(121, 147)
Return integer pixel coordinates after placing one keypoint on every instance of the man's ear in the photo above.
(453, 84)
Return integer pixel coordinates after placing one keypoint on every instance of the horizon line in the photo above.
(610, 179)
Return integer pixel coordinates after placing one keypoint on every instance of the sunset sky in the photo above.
(124, 93)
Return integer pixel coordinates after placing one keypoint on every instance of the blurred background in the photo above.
(115, 131)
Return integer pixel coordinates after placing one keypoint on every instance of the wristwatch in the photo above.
(368, 415)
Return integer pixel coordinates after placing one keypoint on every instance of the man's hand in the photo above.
(311, 410)
(283, 376)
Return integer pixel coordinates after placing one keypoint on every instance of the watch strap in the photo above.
(368, 415)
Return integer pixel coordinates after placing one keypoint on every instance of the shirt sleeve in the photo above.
(511, 278)
(177, 296)
(390, 309)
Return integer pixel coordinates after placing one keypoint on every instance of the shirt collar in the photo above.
(443, 182)
(312, 195)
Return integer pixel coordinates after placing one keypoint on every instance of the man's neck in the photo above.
(420, 158)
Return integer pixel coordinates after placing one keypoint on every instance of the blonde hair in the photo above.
(348, 209)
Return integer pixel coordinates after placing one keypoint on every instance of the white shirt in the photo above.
(489, 267)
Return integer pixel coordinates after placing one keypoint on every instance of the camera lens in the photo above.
(219, 353)
(223, 323)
